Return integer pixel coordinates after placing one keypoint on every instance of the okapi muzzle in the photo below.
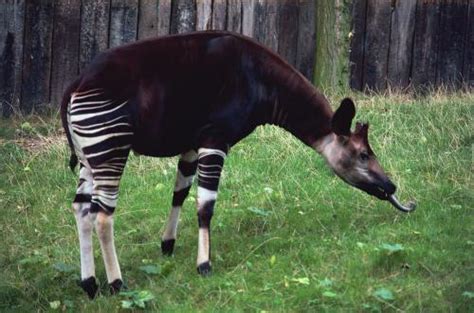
(350, 156)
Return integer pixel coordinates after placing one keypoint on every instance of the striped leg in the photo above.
(106, 179)
(210, 163)
(81, 205)
(184, 178)
(101, 133)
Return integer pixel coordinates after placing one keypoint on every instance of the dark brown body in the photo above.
(182, 88)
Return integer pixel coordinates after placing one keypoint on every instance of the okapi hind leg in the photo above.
(184, 179)
(84, 221)
(210, 163)
(106, 179)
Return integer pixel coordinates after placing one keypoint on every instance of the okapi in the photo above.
(194, 95)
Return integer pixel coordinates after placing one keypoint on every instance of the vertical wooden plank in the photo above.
(305, 59)
(468, 73)
(219, 14)
(377, 44)
(234, 16)
(203, 14)
(288, 30)
(453, 26)
(94, 29)
(183, 16)
(401, 43)
(123, 22)
(164, 17)
(65, 54)
(37, 55)
(266, 26)
(148, 19)
(425, 49)
(248, 17)
(356, 56)
(12, 14)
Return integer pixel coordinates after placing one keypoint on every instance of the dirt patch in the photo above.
(37, 144)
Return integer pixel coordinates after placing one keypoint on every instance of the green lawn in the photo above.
(287, 235)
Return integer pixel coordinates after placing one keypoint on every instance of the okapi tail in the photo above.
(64, 105)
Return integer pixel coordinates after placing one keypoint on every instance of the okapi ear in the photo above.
(342, 118)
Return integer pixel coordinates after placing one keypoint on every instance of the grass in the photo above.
(287, 234)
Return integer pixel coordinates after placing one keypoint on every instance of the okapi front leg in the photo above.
(84, 221)
(210, 163)
(184, 179)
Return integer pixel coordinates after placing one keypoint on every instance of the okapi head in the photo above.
(350, 156)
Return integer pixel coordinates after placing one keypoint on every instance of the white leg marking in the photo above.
(203, 246)
(105, 232)
(183, 181)
(205, 195)
(172, 224)
(84, 228)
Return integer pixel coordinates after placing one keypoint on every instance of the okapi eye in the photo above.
(364, 156)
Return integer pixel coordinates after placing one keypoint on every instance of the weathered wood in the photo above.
(306, 38)
(219, 14)
(183, 17)
(288, 30)
(425, 50)
(164, 17)
(203, 14)
(234, 16)
(123, 22)
(148, 21)
(94, 29)
(65, 50)
(468, 72)
(377, 44)
(356, 56)
(401, 43)
(12, 14)
(453, 22)
(266, 23)
(248, 17)
(37, 55)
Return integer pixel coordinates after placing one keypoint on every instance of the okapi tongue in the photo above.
(408, 208)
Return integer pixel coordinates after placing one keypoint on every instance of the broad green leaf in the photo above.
(258, 211)
(384, 294)
(150, 269)
(302, 280)
(127, 304)
(55, 304)
(329, 294)
(272, 260)
(391, 248)
(468, 294)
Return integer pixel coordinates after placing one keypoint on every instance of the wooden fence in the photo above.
(412, 43)
(45, 43)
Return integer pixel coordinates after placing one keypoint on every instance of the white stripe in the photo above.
(94, 131)
(203, 152)
(81, 117)
(91, 126)
(107, 151)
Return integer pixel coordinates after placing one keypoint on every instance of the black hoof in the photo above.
(167, 247)
(90, 286)
(204, 269)
(115, 286)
